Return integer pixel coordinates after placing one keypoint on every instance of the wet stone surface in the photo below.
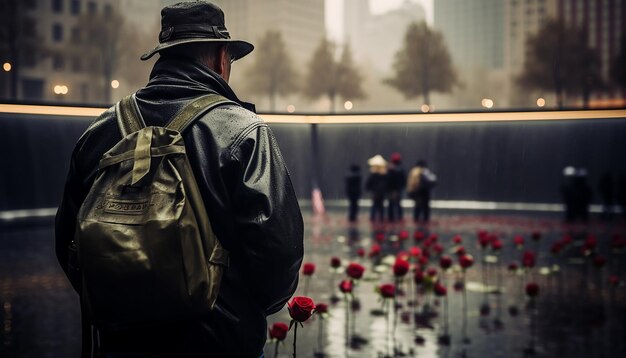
(577, 313)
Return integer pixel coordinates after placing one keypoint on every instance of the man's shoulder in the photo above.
(234, 115)
(232, 121)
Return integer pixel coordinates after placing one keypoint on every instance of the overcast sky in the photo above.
(334, 13)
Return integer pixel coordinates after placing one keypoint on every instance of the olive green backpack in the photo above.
(146, 250)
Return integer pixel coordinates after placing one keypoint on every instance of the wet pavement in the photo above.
(578, 312)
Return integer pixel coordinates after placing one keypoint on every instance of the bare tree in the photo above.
(423, 65)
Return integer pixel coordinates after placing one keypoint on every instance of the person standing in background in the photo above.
(606, 186)
(377, 185)
(420, 182)
(353, 191)
(396, 181)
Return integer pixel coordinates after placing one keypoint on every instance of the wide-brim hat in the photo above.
(197, 21)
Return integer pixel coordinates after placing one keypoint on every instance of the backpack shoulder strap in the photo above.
(129, 119)
(195, 109)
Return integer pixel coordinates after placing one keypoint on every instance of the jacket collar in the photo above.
(192, 78)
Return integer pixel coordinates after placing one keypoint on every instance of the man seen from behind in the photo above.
(243, 182)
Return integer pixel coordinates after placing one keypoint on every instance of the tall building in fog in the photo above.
(473, 31)
(523, 19)
(605, 23)
(55, 23)
(300, 22)
(375, 38)
(143, 15)
(356, 16)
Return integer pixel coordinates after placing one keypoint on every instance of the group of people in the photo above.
(388, 180)
(577, 194)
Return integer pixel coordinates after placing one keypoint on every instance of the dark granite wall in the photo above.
(496, 161)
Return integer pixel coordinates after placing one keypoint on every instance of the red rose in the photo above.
(614, 280)
(387, 290)
(301, 308)
(457, 239)
(445, 262)
(484, 240)
(374, 250)
(402, 255)
(321, 308)
(466, 261)
(418, 277)
(403, 235)
(591, 241)
(496, 244)
(432, 272)
(355, 270)
(536, 236)
(380, 237)
(400, 268)
(423, 260)
(415, 251)
(360, 252)
(437, 248)
(460, 251)
(518, 240)
(566, 240)
(433, 237)
(440, 290)
(335, 262)
(532, 289)
(513, 266)
(528, 259)
(599, 261)
(418, 235)
(278, 331)
(618, 242)
(556, 247)
(345, 286)
(308, 268)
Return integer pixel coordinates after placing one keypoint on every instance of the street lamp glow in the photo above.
(487, 102)
(541, 102)
(291, 108)
(60, 89)
(348, 105)
(6, 67)
(425, 108)
(115, 83)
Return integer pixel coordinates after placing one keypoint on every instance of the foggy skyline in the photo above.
(334, 13)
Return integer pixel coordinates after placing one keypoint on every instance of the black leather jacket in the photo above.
(251, 203)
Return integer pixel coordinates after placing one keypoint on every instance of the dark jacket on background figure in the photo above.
(353, 192)
(396, 182)
(250, 201)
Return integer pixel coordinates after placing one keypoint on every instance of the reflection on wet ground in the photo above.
(579, 312)
(40, 314)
